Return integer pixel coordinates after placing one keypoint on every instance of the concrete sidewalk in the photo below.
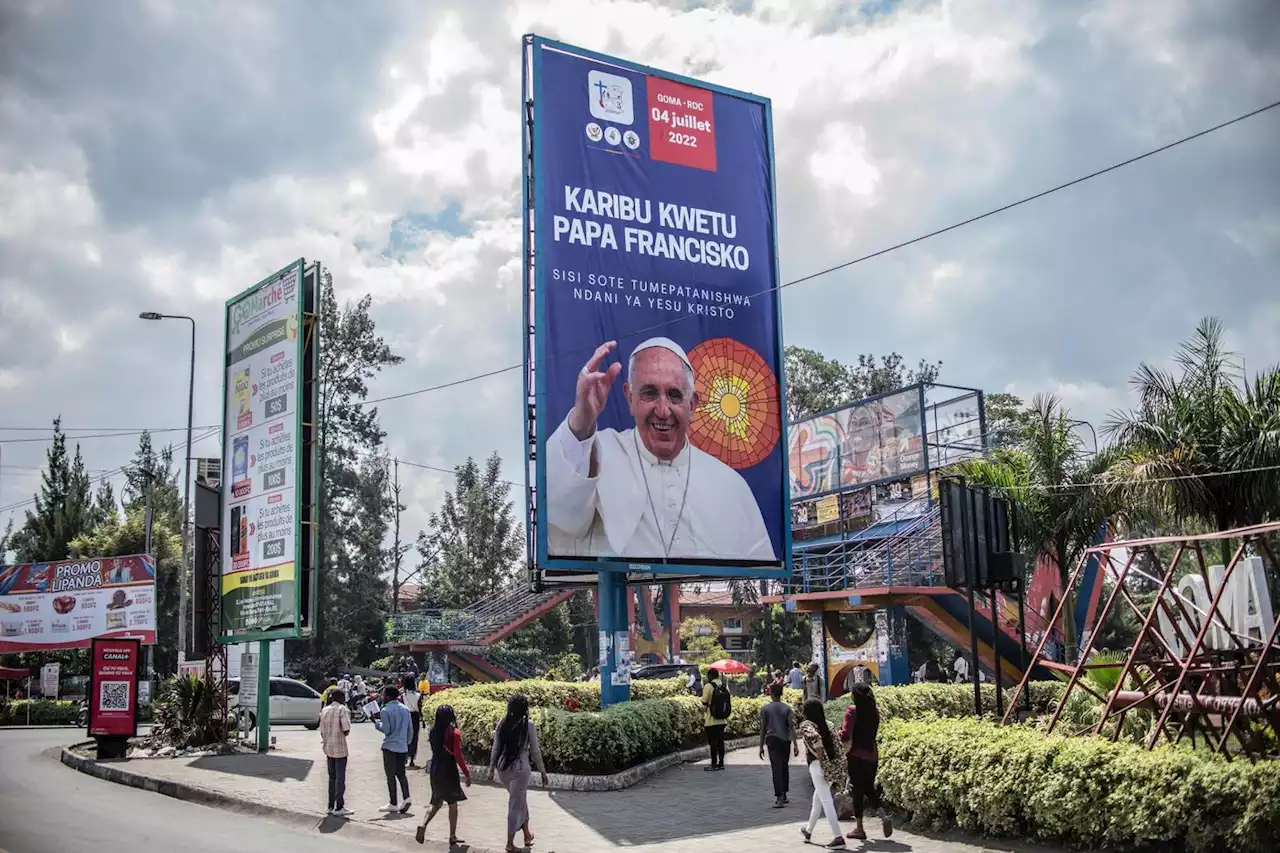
(682, 809)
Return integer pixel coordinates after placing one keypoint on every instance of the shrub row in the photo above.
(553, 694)
(913, 701)
(44, 712)
(608, 741)
(1016, 781)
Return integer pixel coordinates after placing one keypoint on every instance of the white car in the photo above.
(291, 703)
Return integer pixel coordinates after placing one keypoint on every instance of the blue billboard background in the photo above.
(597, 161)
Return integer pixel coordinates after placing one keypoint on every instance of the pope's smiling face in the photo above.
(660, 394)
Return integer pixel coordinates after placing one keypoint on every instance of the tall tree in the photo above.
(1007, 419)
(474, 542)
(62, 506)
(816, 383)
(104, 505)
(354, 507)
(1055, 488)
(1200, 444)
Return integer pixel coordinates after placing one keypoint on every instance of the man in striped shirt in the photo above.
(335, 725)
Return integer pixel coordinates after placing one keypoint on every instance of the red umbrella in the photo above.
(729, 666)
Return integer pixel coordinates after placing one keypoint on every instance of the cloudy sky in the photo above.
(163, 155)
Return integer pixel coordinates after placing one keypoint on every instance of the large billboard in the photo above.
(656, 345)
(67, 604)
(264, 466)
(871, 441)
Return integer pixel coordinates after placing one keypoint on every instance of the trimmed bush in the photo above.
(1016, 781)
(608, 741)
(44, 712)
(553, 694)
(913, 701)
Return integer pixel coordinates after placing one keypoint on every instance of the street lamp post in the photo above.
(186, 480)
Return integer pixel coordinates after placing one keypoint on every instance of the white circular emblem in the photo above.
(631, 139)
(594, 133)
(612, 136)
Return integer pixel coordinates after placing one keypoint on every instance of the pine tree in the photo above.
(104, 505)
(62, 505)
(474, 544)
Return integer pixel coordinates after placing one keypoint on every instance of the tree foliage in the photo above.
(816, 383)
(473, 543)
(62, 506)
(790, 639)
(1202, 445)
(356, 504)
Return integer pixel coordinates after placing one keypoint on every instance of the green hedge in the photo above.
(542, 693)
(44, 712)
(1016, 781)
(608, 741)
(914, 701)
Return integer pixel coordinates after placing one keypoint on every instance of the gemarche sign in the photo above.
(264, 464)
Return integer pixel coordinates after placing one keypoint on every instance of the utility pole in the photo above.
(396, 552)
(149, 667)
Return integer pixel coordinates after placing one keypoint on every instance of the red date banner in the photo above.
(113, 687)
(66, 604)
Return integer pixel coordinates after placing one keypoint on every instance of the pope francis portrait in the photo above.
(645, 493)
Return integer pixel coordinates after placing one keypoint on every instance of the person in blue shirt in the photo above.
(396, 727)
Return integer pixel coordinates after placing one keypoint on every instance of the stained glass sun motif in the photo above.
(737, 419)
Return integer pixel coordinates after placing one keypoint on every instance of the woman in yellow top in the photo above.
(715, 698)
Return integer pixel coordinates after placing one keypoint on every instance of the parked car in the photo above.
(665, 670)
(291, 703)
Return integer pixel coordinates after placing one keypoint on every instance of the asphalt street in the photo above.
(47, 807)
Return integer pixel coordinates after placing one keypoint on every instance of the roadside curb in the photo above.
(208, 797)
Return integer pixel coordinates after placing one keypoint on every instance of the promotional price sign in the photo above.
(656, 320)
(261, 468)
(113, 687)
(65, 605)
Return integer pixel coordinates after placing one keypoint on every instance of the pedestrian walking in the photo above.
(812, 683)
(446, 760)
(825, 769)
(394, 723)
(795, 678)
(413, 701)
(514, 755)
(776, 732)
(715, 698)
(335, 725)
(858, 733)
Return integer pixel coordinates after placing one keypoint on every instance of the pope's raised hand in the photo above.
(592, 392)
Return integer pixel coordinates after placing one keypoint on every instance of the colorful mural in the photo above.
(868, 441)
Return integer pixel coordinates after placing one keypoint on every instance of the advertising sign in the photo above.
(261, 466)
(64, 605)
(248, 695)
(113, 688)
(49, 678)
(655, 313)
(867, 442)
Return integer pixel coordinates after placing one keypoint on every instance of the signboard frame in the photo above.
(45, 580)
(571, 570)
(305, 487)
(95, 677)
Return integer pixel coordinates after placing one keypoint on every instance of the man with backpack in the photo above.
(715, 697)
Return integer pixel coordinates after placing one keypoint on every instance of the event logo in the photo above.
(610, 97)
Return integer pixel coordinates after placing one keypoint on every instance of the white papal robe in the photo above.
(609, 515)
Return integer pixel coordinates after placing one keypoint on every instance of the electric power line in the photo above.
(895, 247)
(121, 434)
(111, 472)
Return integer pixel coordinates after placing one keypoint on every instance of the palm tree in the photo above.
(1058, 494)
(1201, 446)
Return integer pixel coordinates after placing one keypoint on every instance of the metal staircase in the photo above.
(910, 556)
(478, 626)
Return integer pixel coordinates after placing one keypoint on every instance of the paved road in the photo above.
(46, 806)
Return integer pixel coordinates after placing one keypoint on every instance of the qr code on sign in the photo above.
(114, 696)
